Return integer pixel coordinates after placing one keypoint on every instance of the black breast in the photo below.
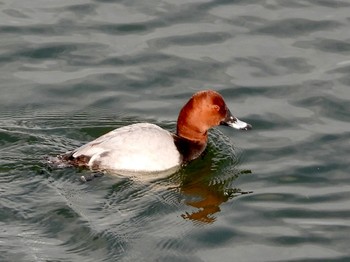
(189, 150)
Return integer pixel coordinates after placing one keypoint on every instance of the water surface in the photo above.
(74, 70)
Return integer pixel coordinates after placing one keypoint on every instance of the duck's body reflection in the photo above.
(206, 196)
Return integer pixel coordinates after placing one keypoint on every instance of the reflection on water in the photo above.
(209, 181)
(206, 197)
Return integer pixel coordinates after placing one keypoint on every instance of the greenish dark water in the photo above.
(73, 70)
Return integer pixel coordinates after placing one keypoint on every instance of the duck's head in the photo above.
(204, 110)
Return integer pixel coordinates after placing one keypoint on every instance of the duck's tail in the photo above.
(68, 160)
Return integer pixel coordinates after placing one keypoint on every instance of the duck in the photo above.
(148, 148)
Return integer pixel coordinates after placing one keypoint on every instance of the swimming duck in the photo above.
(147, 148)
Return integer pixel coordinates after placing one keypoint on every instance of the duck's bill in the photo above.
(234, 122)
(238, 124)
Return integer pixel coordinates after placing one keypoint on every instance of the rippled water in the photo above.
(73, 70)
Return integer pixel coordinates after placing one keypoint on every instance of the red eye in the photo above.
(216, 108)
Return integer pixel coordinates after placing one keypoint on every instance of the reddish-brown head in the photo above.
(204, 110)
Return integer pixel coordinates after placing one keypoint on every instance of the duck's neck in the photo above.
(189, 123)
(191, 133)
(190, 141)
(189, 149)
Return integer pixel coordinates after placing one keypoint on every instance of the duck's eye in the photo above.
(216, 108)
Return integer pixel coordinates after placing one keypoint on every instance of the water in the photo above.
(73, 70)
